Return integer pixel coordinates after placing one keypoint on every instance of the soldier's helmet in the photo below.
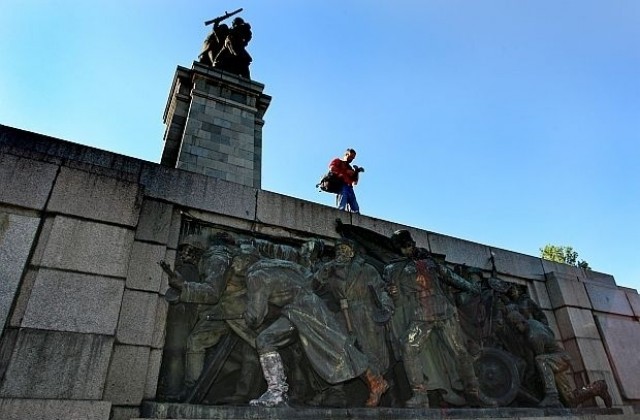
(401, 238)
(237, 22)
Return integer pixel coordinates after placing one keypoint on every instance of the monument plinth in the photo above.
(214, 123)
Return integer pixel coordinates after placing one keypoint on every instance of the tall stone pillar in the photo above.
(214, 125)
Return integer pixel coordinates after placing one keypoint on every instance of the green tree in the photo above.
(562, 254)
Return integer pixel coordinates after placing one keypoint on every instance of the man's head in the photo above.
(349, 155)
(244, 260)
(237, 22)
(345, 250)
(517, 320)
(403, 242)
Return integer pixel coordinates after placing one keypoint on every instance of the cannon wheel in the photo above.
(498, 376)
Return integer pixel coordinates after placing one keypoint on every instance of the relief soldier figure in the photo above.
(554, 364)
(427, 320)
(304, 317)
(221, 300)
(365, 307)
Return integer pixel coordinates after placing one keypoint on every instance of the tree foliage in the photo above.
(562, 254)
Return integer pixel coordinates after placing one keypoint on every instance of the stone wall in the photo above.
(81, 302)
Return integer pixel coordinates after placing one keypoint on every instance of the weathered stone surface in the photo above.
(199, 192)
(88, 247)
(287, 212)
(540, 294)
(174, 232)
(127, 375)
(460, 251)
(603, 279)
(592, 352)
(608, 299)
(19, 409)
(144, 271)
(127, 413)
(96, 197)
(137, 318)
(153, 371)
(155, 222)
(519, 265)
(57, 365)
(74, 302)
(162, 308)
(576, 323)
(192, 411)
(18, 175)
(634, 301)
(622, 340)
(566, 270)
(566, 290)
(16, 238)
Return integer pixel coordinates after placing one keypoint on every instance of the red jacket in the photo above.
(344, 171)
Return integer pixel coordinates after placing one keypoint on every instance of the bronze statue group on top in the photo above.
(226, 48)
(367, 320)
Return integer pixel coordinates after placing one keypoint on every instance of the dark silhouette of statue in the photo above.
(233, 57)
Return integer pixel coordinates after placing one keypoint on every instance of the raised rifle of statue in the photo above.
(223, 17)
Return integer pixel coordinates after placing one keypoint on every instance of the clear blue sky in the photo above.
(509, 123)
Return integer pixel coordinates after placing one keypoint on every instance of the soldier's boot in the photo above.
(471, 384)
(551, 397)
(596, 389)
(420, 398)
(277, 387)
(194, 363)
(377, 386)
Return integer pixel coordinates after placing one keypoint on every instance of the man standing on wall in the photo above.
(349, 176)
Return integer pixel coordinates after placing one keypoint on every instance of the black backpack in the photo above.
(330, 183)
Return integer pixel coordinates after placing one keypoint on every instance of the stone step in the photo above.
(173, 411)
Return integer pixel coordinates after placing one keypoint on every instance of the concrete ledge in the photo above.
(19, 409)
(460, 251)
(186, 411)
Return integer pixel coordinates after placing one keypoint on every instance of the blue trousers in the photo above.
(347, 197)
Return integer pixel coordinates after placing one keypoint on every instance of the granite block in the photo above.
(74, 302)
(88, 247)
(137, 318)
(622, 341)
(518, 265)
(144, 271)
(16, 239)
(18, 175)
(174, 230)
(127, 375)
(539, 293)
(33, 409)
(57, 365)
(566, 290)
(608, 299)
(566, 270)
(200, 192)
(603, 279)
(459, 251)
(155, 222)
(576, 323)
(592, 353)
(153, 372)
(634, 300)
(287, 212)
(95, 197)
(162, 309)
